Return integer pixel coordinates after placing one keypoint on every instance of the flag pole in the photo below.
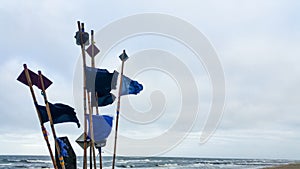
(81, 29)
(44, 131)
(95, 94)
(92, 144)
(118, 110)
(61, 159)
(99, 149)
(92, 150)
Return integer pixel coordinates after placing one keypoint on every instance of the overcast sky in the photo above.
(257, 43)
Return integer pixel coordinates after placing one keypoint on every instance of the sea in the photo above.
(44, 162)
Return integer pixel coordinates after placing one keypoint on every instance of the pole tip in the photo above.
(25, 66)
(40, 72)
(92, 32)
(78, 24)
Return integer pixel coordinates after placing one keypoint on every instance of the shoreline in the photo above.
(287, 166)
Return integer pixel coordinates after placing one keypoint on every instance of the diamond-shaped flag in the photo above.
(90, 51)
(123, 56)
(34, 79)
(80, 141)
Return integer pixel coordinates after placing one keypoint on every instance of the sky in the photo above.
(257, 43)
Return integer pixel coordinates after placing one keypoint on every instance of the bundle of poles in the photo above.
(88, 108)
(40, 83)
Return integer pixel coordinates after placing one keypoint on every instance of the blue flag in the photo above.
(60, 113)
(102, 125)
(130, 86)
(102, 82)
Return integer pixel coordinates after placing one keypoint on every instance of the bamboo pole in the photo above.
(92, 150)
(91, 107)
(118, 110)
(100, 157)
(94, 94)
(61, 159)
(100, 151)
(81, 29)
(39, 115)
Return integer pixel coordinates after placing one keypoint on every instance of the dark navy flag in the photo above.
(106, 100)
(102, 125)
(60, 113)
(100, 81)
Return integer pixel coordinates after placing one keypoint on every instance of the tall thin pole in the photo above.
(118, 110)
(100, 157)
(61, 159)
(92, 150)
(81, 29)
(96, 100)
(97, 112)
(91, 107)
(39, 115)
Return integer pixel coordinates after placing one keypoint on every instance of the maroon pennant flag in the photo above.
(34, 79)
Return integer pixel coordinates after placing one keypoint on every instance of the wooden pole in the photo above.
(61, 159)
(100, 151)
(100, 157)
(118, 110)
(81, 29)
(92, 150)
(39, 115)
(91, 107)
(94, 94)
(91, 156)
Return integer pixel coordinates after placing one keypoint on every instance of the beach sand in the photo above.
(289, 166)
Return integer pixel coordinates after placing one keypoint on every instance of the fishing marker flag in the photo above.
(80, 141)
(82, 38)
(123, 56)
(92, 50)
(130, 86)
(102, 82)
(102, 125)
(60, 113)
(34, 79)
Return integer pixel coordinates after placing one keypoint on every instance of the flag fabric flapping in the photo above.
(102, 125)
(60, 113)
(34, 79)
(106, 100)
(130, 86)
(100, 81)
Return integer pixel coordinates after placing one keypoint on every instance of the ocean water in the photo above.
(41, 162)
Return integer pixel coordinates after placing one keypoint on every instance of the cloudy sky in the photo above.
(257, 43)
